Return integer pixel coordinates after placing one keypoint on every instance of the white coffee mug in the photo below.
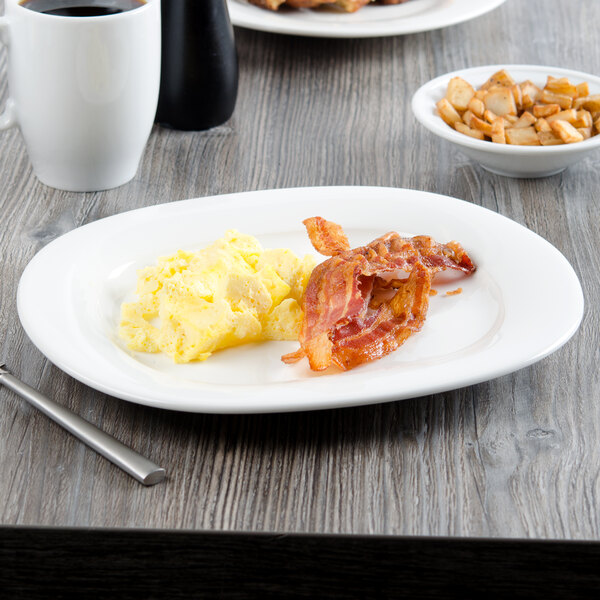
(83, 91)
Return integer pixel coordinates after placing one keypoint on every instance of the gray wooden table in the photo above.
(516, 457)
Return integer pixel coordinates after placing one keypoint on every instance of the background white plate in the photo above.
(511, 312)
(369, 21)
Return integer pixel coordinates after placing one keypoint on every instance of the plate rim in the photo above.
(240, 407)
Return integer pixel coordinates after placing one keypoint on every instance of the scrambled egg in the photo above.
(231, 292)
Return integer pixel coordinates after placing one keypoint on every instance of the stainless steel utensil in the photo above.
(131, 462)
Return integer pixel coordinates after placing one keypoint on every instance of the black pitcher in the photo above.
(199, 74)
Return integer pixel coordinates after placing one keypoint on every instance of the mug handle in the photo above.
(8, 118)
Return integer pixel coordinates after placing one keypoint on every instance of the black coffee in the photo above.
(82, 8)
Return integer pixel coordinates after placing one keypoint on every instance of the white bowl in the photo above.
(505, 159)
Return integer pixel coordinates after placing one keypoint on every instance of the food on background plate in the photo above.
(363, 303)
(343, 5)
(229, 293)
(506, 112)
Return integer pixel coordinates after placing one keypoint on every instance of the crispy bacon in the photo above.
(327, 238)
(351, 313)
(383, 330)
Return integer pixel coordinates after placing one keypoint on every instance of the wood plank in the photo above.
(183, 564)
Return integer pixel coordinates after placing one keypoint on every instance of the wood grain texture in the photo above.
(514, 457)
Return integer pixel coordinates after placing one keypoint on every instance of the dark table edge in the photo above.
(140, 563)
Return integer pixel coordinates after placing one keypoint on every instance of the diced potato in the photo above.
(447, 112)
(542, 125)
(522, 136)
(500, 101)
(562, 100)
(483, 126)
(591, 103)
(564, 115)
(525, 120)
(459, 93)
(567, 133)
(549, 138)
(476, 106)
(530, 93)
(561, 86)
(489, 116)
(583, 119)
(545, 110)
(462, 128)
(498, 131)
(500, 78)
(597, 125)
(467, 116)
(586, 132)
(583, 89)
(518, 94)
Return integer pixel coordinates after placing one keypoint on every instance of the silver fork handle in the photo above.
(127, 459)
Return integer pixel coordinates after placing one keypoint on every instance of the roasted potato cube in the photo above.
(530, 93)
(500, 101)
(483, 126)
(583, 119)
(459, 93)
(480, 94)
(597, 125)
(549, 138)
(567, 133)
(561, 86)
(476, 106)
(564, 115)
(542, 125)
(466, 117)
(562, 100)
(586, 132)
(462, 128)
(498, 131)
(500, 78)
(525, 120)
(545, 110)
(489, 116)
(522, 136)
(518, 94)
(583, 89)
(591, 103)
(447, 112)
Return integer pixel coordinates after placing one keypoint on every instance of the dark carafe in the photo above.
(199, 71)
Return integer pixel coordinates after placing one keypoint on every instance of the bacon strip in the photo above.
(353, 315)
(327, 238)
(392, 324)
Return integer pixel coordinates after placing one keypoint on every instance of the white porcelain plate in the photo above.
(370, 21)
(523, 302)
